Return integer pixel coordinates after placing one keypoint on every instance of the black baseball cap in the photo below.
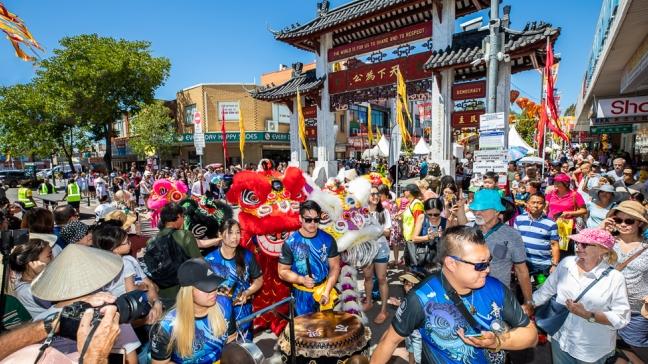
(196, 273)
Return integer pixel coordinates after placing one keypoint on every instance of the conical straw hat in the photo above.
(78, 271)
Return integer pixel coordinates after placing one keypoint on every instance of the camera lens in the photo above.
(132, 306)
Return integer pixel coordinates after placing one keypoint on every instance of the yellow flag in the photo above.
(369, 130)
(242, 136)
(401, 106)
(301, 124)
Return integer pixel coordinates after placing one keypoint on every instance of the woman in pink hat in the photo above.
(628, 220)
(588, 335)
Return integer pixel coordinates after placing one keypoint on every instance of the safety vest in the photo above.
(43, 189)
(73, 192)
(22, 197)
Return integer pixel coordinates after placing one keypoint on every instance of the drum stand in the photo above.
(290, 318)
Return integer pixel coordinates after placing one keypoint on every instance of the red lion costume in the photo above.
(269, 211)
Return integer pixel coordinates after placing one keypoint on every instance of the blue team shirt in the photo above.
(309, 256)
(537, 236)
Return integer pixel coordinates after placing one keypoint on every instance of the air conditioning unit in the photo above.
(272, 125)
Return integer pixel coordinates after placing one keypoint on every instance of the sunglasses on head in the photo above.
(309, 220)
(479, 267)
(618, 221)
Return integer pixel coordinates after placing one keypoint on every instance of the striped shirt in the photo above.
(537, 236)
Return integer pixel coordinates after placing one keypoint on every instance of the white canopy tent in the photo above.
(421, 147)
(383, 145)
(515, 140)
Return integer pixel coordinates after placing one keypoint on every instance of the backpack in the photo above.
(162, 259)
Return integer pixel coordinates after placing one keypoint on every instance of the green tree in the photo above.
(98, 79)
(152, 130)
(571, 110)
(32, 123)
(526, 127)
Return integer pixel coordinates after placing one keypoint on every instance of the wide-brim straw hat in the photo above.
(632, 208)
(76, 272)
(617, 194)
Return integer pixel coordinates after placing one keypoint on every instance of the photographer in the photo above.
(14, 343)
(82, 273)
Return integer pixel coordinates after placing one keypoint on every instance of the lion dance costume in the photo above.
(269, 212)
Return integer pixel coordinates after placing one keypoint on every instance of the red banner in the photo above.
(310, 112)
(466, 119)
(379, 74)
(400, 36)
(469, 90)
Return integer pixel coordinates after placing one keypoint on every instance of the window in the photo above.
(343, 122)
(118, 128)
(189, 111)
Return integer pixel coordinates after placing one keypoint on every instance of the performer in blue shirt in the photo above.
(240, 271)
(308, 257)
(195, 330)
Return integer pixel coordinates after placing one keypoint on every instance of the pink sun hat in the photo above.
(595, 236)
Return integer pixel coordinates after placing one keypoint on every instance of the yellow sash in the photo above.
(317, 292)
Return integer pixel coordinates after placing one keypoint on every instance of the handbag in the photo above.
(552, 315)
(420, 254)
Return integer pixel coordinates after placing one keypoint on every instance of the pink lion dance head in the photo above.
(164, 191)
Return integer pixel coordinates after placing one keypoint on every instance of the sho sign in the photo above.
(622, 106)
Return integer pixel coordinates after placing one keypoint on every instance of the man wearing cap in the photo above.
(310, 261)
(462, 314)
(505, 243)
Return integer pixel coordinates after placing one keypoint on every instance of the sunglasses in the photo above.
(434, 214)
(479, 267)
(618, 221)
(309, 220)
(375, 194)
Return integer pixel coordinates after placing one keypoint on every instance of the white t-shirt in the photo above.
(195, 188)
(133, 269)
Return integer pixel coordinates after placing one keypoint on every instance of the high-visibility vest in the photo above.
(22, 197)
(43, 189)
(73, 192)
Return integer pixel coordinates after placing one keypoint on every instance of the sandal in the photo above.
(382, 316)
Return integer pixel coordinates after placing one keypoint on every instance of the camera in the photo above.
(131, 306)
(11, 238)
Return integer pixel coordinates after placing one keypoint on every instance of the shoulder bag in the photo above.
(552, 315)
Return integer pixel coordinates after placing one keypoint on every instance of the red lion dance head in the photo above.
(269, 212)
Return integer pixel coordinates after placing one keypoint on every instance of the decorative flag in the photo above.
(401, 105)
(17, 33)
(224, 134)
(301, 124)
(542, 125)
(242, 135)
(551, 100)
(369, 129)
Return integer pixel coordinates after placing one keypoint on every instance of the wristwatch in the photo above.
(48, 322)
(592, 318)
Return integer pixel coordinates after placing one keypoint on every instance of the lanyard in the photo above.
(494, 229)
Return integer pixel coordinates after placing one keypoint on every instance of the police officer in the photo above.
(73, 194)
(44, 189)
(25, 197)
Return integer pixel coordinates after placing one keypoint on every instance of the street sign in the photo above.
(491, 154)
(611, 129)
(490, 161)
(491, 139)
(199, 151)
(491, 121)
(198, 129)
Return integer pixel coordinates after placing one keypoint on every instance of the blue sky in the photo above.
(229, 41)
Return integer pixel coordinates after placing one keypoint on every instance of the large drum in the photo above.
(326, 338)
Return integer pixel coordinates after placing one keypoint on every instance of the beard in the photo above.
(479, 221)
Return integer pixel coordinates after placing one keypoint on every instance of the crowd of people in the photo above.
(482, 257)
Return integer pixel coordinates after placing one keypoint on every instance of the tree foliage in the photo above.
(152, 130)
(526, 127)
(571, 110)
(98, 79)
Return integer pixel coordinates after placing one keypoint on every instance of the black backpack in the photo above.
(162, 259)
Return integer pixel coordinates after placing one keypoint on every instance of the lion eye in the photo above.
(249, 197)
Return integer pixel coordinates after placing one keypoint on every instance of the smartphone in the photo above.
(475, 335)
(117, 356)
(558, 215)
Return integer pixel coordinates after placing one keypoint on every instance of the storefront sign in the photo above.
(620, 120)
(622, 106)
(231, 109)
(311, 129)
(310, 112)
(400, 36)
(379, 74)
(251, 137)
(281, 113)
(612, 129)
(466, 119)
(469, 90)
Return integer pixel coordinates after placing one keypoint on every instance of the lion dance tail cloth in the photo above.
(269, 203)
